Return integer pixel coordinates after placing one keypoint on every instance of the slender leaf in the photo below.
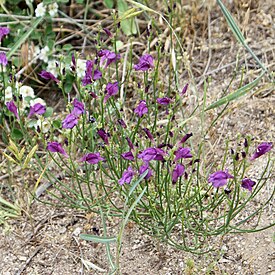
(237, 32)
(97, 239)
(240, 92)
(24, 37)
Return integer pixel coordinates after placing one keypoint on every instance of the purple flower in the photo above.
(70, 121)
(3, 59)
(248, 184)
(90, 73)
(127, 176)
(187, 136)
(73, 67)
(184, 90)
(219, 178)
(107, 31)
(47, 75)
(141, 109)
(3, 31)
(122, 123)
(145, 63)
(177, 172)
(130, 143)
(112, 89)
(103, 135)
(109, 56)
(164, 100)
(78, 108)
(56, 147)
(12, 108)
(143, 168)
(262, 149)
(151, 154)
(148, 133)
(37, 109)
(128, 156)
(92, 158)
(182, 153)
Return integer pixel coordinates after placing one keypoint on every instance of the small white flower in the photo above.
(8, 94)
(26, 91)
(40, 10)
(80, 67)
(53, 8)
(52, 68)
(37, 100)
(44, 54)
(44, 125)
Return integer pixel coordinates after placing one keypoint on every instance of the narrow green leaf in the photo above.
(237, 32)
(24, 37)
(97, 239)
(240, 92)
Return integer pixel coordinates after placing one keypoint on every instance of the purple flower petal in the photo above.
(12, 108)
(128, 156)
(92, 158)
(186, 137)
(127, 176)
(56, 147)
(91, 74)
(109, 56)
(112, 89)
(143, 168)
(151, 154)
(148, 133)
(177, 172)
(70, 121)
(3, 31)
(184, 90)
(219, 178)
(262, 149)
(164, 100)
(78, 108)
(47, 75)
(3, 59)
(141, 109)
(248, 184)
(37, 109)
(182, 153)
(145, 63)
(103, 135)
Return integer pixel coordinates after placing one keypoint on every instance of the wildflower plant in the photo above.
(122, 145)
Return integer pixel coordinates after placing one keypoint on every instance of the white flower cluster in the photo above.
(41, 9)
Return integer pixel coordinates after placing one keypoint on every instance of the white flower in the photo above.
(40, 10)
(52, 68)
(37, 100)
(44, 125)
(80, 67)
(44, 54)
(8, 94)
(26, 91)
(53, 8)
